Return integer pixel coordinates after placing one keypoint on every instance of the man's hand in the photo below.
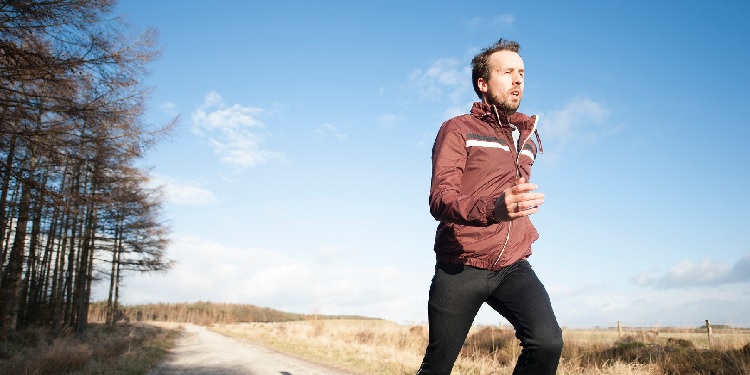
(518, 201)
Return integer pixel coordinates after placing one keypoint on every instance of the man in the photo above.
(481, 194)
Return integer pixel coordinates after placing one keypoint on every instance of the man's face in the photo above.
(505, 86)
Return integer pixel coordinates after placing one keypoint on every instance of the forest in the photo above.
(207, 313)
(76, 207)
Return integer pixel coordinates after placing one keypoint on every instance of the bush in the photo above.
(678, 345)
(99, 350)
(630, 349)
(492, 342)
(61, 356)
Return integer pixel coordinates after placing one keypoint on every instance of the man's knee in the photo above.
(550, 345)
(553, 347)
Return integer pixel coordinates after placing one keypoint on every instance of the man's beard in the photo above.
(505, 103)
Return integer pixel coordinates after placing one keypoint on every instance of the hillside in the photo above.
(207, 313)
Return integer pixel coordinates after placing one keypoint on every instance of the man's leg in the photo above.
(456, 294)
(522, 299)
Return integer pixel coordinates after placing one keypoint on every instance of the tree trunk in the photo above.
(68, 313)
(83, 276)
(14, 269)
(5, 187)
(113, 274)
(28, 305)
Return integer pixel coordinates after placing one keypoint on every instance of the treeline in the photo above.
(205, 313)
(74, 208)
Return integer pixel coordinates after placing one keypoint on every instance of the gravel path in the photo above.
(199, 351)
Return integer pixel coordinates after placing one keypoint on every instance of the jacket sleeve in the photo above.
(447, 203)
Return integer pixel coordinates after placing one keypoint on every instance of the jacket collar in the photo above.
(497, 117)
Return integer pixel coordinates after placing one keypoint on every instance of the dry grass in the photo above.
(727, 338)
(126, 350)
(364, 346)
(385, 348)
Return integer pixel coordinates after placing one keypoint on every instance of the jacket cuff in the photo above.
(490, 209)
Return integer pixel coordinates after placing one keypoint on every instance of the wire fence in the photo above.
(656, 325)
(705, 334)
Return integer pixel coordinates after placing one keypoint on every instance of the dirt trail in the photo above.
(199, 351)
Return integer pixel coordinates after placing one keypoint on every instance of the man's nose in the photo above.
(517, 78)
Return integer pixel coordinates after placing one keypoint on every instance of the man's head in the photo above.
(497, 74)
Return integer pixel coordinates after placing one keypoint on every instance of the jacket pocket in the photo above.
(469, 235)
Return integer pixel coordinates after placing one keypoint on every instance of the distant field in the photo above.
(720, 338)
(373, 346)
(382, 347)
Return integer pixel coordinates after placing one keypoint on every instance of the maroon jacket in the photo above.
(474, 160)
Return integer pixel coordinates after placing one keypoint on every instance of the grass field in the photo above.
(386, 348)
(123, 350)
(381, 347)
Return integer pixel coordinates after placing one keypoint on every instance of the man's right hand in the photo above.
(518, 201)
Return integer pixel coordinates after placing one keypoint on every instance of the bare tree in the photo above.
(71, 109)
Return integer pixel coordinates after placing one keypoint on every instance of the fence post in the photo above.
(708, 332)
(619, 330)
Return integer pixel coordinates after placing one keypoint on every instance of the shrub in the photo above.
(62, 356)
(630, 349)
(678, 345)
(492, 342)
(364, 337)
(99, 350)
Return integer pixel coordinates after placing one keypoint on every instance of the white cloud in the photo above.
(581, 121)
(330, 280)
(604, 303)
(689, 274)
(232, 132)
(444, 79)
(499, 22)
(503, 21)
(183, 192)
(328, 129)
(169, 108)
(321, 280)
(389, 120)
(447, 82)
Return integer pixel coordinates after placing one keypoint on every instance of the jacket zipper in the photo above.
(518, 172)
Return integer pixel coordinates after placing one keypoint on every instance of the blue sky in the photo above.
(298, 178)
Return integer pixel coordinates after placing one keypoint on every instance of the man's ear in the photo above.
(482, 84)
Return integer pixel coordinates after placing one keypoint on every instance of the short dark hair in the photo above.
(480, 64)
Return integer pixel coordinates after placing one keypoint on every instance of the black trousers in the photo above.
(456, 294)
